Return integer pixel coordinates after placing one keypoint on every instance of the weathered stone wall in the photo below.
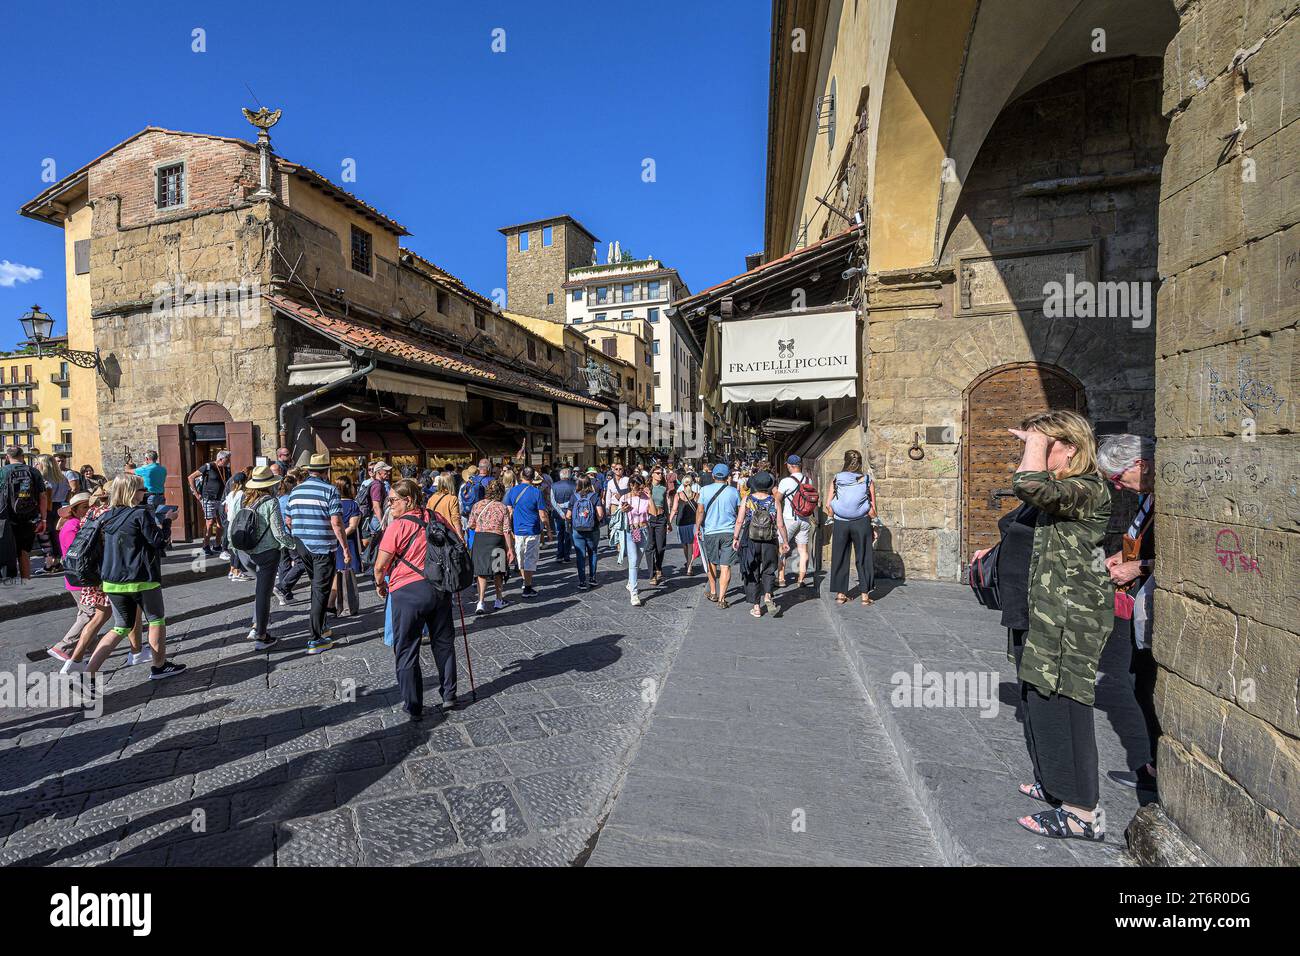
(926, 349)
(1228, 459)
(169, 358)
(540, 270)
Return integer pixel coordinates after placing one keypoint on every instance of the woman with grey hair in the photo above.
(1128, 462)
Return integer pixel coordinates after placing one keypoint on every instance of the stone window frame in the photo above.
(548, 236)
(523, 244)
(157, 168)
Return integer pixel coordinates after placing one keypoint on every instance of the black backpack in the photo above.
(20, 493)
(82, 560)
(447, 563)
(243, 530)
(364, 503)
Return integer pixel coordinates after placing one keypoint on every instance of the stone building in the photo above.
(1081, 204)
(620, 305)
(238, 313)
(539, 256)
(630, 295)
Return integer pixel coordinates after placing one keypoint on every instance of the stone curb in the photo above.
(55, 599)
(954, 853)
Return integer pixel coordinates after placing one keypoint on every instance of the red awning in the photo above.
(444, 442)
(332, 438)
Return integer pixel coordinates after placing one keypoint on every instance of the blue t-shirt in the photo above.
(722, 513)
(526, 500)
(311, 505)
(154, 476)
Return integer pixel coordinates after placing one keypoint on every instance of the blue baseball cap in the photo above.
(793, 460)
(720, 470)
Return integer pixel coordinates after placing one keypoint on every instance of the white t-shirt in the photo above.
(788, 486)
(615, 489)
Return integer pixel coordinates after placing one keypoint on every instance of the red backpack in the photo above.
(804, 500)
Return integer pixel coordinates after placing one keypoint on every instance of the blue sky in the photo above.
(449, 138)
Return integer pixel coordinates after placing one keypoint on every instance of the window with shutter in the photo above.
(81, 257)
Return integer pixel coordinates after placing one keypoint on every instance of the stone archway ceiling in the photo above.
(1018, 44)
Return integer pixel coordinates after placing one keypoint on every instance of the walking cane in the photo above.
(465, 637)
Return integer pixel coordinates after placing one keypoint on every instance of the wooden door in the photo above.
(239, 441)
(171, 457)
(999, 400)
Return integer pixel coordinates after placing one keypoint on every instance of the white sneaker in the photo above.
(636, 599)
(225, 555)
(480, 609)
(144, 657)
(72, 667)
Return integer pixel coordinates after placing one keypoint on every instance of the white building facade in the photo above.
(630, 297)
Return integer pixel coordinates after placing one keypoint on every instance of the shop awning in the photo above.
(794, 355)
(367, 439)
(571, 424)
(402, 383)
(789, 391)
(445, 442)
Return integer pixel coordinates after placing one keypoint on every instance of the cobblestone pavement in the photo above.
(282, 758)
(692, 734)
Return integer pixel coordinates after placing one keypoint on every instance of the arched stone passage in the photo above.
(950, 74)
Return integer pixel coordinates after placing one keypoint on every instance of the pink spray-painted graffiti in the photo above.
(1227, 548)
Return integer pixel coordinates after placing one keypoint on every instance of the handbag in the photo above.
(1130, 550)
(982, 576)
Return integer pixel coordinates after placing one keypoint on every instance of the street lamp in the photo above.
(37, 326)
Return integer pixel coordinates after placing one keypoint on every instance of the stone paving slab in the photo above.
(280, 758)
(763, 750)
(965, 767)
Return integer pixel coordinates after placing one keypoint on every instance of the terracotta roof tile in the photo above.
(357, 335)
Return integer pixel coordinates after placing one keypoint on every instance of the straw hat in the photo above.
(262, 477)
(80, 498)
(319, 462)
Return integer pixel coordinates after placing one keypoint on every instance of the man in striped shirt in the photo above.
(316, 517)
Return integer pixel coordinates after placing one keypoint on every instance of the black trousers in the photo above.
(853, 534)
(760, 579)
(658, 543)
(1062, 745)
(414, 607)
(265, 564)
(1143, 669)
(563, 540)
(290, 570)
(320, 568)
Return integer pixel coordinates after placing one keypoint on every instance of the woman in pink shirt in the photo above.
(637, 507)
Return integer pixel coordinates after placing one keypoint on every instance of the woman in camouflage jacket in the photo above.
(1071, 614)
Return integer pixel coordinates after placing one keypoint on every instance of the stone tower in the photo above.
(539, 255)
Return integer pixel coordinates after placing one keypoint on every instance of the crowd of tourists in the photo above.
(281, 525)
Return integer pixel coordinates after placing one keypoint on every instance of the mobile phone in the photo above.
(165, 511)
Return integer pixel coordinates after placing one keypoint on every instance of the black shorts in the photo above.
(24, 532)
